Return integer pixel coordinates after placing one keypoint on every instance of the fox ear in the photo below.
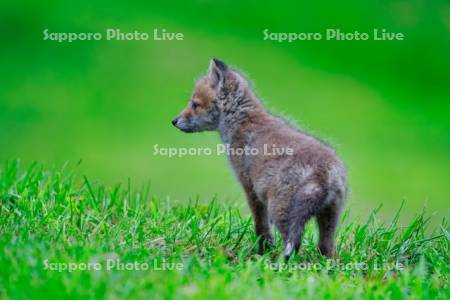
(217, 70)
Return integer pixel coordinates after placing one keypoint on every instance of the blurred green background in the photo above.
(383, 104)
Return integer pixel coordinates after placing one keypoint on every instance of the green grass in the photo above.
(60, 217)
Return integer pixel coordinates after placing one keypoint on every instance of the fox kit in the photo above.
(285, 189)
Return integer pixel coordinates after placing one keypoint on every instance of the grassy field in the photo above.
(383, 105)
(61, 235)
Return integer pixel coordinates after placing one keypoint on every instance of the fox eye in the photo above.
(194, 104)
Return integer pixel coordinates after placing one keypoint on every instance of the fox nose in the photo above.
(174, 122)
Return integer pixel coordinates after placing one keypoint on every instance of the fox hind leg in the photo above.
(327, 219)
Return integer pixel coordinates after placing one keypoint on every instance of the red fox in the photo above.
(285, 189)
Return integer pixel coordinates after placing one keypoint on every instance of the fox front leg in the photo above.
(262, 223)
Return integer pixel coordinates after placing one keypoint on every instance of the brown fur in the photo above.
(286, 190)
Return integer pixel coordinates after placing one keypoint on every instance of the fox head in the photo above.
(210, 99)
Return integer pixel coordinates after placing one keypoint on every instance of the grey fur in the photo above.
(286, 189)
